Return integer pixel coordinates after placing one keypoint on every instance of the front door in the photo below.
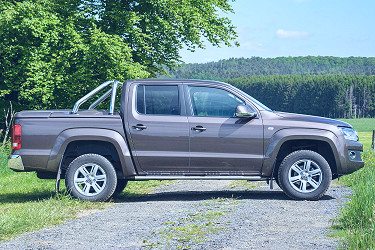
(220, 143)
(158, 128)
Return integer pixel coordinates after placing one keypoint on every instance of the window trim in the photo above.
(190, 104)
(181, 100)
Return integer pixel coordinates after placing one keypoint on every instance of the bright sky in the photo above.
(273, 28)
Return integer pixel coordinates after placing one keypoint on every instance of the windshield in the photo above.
(256, 101)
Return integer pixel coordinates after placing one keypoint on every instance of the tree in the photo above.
(52, 52)
(156, 30)
(46, 61)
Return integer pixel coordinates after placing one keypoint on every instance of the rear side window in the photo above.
(158, 100)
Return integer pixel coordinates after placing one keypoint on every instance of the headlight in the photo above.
(349, 133)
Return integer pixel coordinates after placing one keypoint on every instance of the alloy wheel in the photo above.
(305, 176)
(90, 179)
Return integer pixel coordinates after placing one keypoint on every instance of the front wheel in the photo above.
(91, 177)
(121, 184)
(304, 175)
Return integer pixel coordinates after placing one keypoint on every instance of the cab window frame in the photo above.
(188, 97)
(181, 99)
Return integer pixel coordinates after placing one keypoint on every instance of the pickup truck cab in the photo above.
(182, 129)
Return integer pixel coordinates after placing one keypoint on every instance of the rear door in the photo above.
(159, 131)
(220, 143)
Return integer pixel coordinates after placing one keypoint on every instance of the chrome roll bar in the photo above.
(112, 92)
(100, 99)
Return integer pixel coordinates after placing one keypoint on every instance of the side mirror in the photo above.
(243, 111)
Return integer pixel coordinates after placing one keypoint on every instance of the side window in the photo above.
(158, 100)
(213, 102)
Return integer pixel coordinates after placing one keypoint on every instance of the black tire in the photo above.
(121, 184)
(304, 175)
(277, 182)
(91, 177)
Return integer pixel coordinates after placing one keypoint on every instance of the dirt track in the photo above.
(198, 215)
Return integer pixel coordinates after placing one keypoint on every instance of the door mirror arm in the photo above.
(243, 111)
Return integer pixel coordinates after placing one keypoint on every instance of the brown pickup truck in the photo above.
(182, 130)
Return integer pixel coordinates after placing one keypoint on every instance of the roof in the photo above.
(176, 80)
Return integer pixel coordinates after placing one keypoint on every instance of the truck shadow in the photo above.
(162, 196)
(207, 195)
(20, 197)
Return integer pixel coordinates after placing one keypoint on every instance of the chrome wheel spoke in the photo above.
(86, 189)
(307, 165)
(297, 169)
(295, 178)
(80, 180)
(96, 187)
(100, 178)
(315, 172)
(313, 183)
(86, 182)
(305, 176)
(94, 170)
(84, 171)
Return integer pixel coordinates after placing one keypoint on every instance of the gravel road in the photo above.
(198, 215)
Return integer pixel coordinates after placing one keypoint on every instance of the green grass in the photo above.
(365, 138)
(358, 215)
(356, 220)
(28, 203)
(242, 183)
(362, 124)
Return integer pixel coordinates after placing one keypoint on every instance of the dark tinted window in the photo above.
(213, 102)
(158, 100)
(140, 99)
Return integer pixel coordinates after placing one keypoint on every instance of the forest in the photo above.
(307, 65)
(335, 96)
(325, 86)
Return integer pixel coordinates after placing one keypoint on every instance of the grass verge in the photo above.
(356, 220)
(28, 203)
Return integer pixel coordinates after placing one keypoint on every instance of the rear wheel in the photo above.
(91, 177)
(304, 175)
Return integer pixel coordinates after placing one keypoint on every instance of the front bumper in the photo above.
(354, 164)
(353, 158)
(15, 163)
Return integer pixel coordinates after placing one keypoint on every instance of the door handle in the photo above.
(198, 128)
(139, 127)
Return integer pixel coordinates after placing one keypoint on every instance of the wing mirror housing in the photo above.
(243, 111)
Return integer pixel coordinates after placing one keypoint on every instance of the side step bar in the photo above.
(197, 177)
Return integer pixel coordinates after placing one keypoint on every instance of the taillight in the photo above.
(16, 137)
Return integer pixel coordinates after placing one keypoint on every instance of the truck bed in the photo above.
(40, 130)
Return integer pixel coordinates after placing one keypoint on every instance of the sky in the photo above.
(274, 28)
